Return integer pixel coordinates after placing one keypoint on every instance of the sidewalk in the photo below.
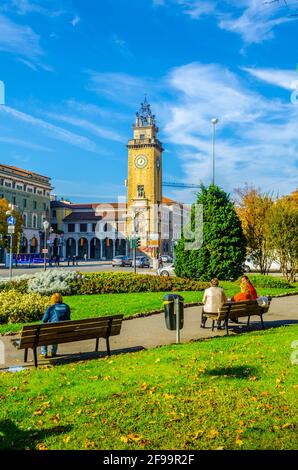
(149, 332)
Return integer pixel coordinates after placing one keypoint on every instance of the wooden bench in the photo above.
(234, 310)
(33, 336)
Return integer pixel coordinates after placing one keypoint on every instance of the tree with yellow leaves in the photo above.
(282, 223)
(4, 207)
(252, 209)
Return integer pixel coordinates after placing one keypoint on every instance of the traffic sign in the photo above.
(11, 229)
(11, 220)
(45, 251)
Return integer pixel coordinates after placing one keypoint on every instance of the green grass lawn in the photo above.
(236, 392)
(87, 306)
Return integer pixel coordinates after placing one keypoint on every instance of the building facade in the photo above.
(30, 193)
(97, 230)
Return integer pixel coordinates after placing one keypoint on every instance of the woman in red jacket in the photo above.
(252, 290)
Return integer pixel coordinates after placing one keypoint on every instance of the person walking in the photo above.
(213, 299)
(58, 311)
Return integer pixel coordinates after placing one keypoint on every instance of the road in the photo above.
(83, 266)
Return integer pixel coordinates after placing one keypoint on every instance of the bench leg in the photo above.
(263, 326)
(26, 355)
(227, 326)
(96, 345)
(213, 323)
(35, 357)
(248, 321)
(108, 346)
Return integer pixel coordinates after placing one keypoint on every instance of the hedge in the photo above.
(260, 280)
(110, 283)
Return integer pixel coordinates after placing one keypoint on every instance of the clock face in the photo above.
(158, 163)
(141, 161)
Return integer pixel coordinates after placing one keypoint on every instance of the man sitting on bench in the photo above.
(57, 312)
(213, 300)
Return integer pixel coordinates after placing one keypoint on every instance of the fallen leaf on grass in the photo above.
(66, 439)
(213, 433)
(168, 396)
(144, 386)
(286, 425)
(41, 446)
(239, 442)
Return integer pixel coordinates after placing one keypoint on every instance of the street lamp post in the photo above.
(11, 221)
(214, 122)
(45, 227)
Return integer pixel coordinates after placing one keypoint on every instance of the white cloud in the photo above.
(120, 87)
(280, 78)
(254, 20)
(76, 20)
(197, 8)
(52, 131)
(24, 7)
(253, 134)
(121, 45)
(24, 144)
(18, 39)
(88, 126)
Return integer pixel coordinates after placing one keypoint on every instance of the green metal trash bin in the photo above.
(170, 312)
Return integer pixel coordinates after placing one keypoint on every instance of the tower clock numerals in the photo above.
(141, 161)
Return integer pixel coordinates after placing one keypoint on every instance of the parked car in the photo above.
(121, 260)
(167, 259)
(142, 262)
(166, 270)
(249, 266)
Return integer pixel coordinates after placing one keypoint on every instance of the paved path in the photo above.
(150, 332)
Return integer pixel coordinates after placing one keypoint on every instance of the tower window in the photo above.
(142, 136)
(141, 191)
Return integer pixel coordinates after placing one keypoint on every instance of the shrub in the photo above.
(261, 280)
(16, 307)
(223, 250)
(56, 280)
(108, 283)
(19, 283)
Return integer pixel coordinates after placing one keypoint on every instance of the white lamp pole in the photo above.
(214, 122)
(45, 227)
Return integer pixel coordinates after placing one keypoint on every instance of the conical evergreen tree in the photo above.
(224, 247)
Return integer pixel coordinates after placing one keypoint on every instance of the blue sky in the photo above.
(76, 71)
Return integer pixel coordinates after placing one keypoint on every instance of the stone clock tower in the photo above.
(144, 197)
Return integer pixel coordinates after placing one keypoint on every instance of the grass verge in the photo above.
(237, 392)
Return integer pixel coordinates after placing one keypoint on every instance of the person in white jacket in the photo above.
(214, 298)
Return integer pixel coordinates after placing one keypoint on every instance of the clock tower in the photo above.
(144, 196)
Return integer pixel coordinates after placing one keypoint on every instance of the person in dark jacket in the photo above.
(58, 311)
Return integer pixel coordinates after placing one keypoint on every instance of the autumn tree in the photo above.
(252, 209)
(282, 224)
(4, 207)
